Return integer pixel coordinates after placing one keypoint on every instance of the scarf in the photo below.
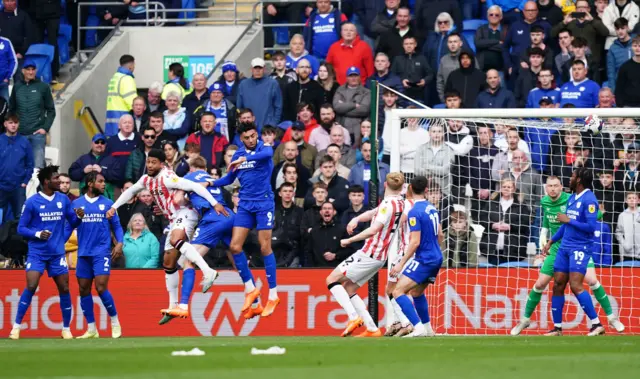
(222, 122)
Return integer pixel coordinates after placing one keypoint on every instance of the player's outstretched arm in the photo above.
(365, 217)
(187, 185)
(128, 194)
(114, 222)
(226, 180)
(265, 153)
(368, 232)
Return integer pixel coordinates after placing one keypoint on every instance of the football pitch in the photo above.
(327, 358)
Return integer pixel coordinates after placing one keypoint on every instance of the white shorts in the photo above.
(359, 267)
(392, 263)
(184, 219)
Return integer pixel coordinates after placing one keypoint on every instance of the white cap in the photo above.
(257, 62)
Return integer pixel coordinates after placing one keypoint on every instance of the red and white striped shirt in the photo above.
(388, 214)
(163, 188)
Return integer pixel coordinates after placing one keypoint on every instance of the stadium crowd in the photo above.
(312, 104)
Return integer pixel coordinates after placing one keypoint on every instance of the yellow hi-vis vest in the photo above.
(175, 87)
(122, 90)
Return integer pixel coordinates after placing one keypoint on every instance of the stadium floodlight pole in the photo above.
(373, 187)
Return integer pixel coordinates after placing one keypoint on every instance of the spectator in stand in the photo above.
(351, 103)
(268, 135)
(302, 90)
(356, 208)
(212, 143)
(223, 109)
(306, 117)
(494, 95)
(519, 38)
(8, 66)
(176, 119)
(459, 139)
(140, 114)
(17, 27)
(152, 214)
(177, 82)
(528, 77)
(540, 139)
(65, 186)
(141, 247)
(350, 51)
(272, 13)
(586, 27)
(563, 164)
(172, 153)
(385, 20)
(489, 39)
(156, 122)
(320, 137)
(99, 161)
(120, 94)
(154, 98)
(452, 100)
(306, 152)
(435, 46)
(347, 154)
(323, 246)
(460, 244)
(480, 161)
(322, 28)
(311, 216)
(442, 202)
(47, 15)
(334, 152)
(136, 164)
(336, 186)
(427, 14)
(619, 52)
(327, 79)
(230, 81)
(16, 167)
(122, 144)
(449, 62)
(383, 75)
(281, 73)
(290, 174)
(578, 52)
(628, 81)
(506, 224)
(628, 229)
(286, 228)
(581, 91)
(360, 174)
(512, 9)
(364, 11)
(390, 42)
(389, 103)
(606, 99)
(228, 158)
(411, 137)
(610, 196)
(262, 95)
(549, 12)
(615, 11)
(468, 78)
(565, 37)
(297, 51)
(627, 170)
(434, 159)
(546, 90)
(503, 160)
(527, 180)
(537, 37)
(199, 95)
(303, 174)
(413, 69)
(32, 102)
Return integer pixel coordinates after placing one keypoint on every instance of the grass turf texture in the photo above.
(323, 357)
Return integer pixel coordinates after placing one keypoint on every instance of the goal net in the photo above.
(489, 170)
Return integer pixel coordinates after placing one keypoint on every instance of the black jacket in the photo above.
(427, 12)
(349, 215)
(390, 42)
(550, 13)
(46, 9)
(191, 101)
(295, 93)
(480, 162)
(593, 70)
(310, 219)
(326, 238)
(302, 184)
(144, 122)
(468, 81)
(486, 45)
(515, 240)
(628, 84)
(338, 187)
(611, 198)
(526, 81)
(286, 239)
(18, 28)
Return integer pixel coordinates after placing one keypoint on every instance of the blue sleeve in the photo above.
(24, 225)
(265, 153)
(71, 217)
(116, 228)
(28, 170)
(558, 236)
(414, 220)
(611, 69)
(591, 223)
(226, 180)
(277, 104)
(67, 232)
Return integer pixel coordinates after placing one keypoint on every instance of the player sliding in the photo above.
(164, 185)
(94, 252)
(574, 253)
(355, 271)
(43, 224)
(553, 204)
(419, 272)
(252, 165)
(211, 229)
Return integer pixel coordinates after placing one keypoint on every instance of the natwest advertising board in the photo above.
(465, 301)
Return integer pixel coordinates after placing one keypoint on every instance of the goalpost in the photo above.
(485, 283)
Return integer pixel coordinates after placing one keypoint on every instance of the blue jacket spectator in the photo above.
(619, 52)
(495, 96)
(517, 41)
(388, 79)
(8, 66)
(111, 167)
(298, 51)
(262, 95)
(120, 146)
(230, 81)
(537, 94)
(539, 141)
(16, 167)
(582, 94)
(322, 30)
(435, 46)
(362, 169)
(602, 245)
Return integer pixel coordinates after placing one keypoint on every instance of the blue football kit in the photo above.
(424, 266)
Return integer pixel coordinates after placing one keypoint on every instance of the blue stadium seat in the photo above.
(64, 39)
(515, 264)
(605, 84)
(628, 264)
(1, 211)
(284, 125)
(485, 265)
(473, 24)
(469, 38)
(282, 35)
(439, 106)
(42, 54)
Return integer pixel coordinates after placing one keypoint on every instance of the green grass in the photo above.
(327, 358)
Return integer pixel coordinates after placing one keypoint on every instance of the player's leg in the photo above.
(360, 307)
(579, 259)
(535, 295)
(178, 239)
(171, 275)
(84, 276)
(601, 295)
(102, 287)
(400, 294)
(397, 322)
(334, 284)
(35, 269)
(188, 282)
(238, 238)
(422, 307)
(561, 269)
(269, 259)
(62, 282)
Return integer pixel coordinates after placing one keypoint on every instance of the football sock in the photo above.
(603, 299)
(408, 309)
(399, 314)
(188, 280)
(342, 297)
(86, 303)
(65, 307)
(422, 308)
(557, 306)
(587, 306)
(23, 306)
(109, 304)
(242, 265)
(532, 302)
(270, 269)
(172, 282)
(361, 308)
(193, 256)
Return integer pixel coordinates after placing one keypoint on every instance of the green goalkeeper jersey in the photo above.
(550, 210)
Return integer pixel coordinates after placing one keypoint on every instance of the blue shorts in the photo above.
(255, 214)
(55, 265)
(211, 230)
(422, 273)
(90, 267)
(572, 259)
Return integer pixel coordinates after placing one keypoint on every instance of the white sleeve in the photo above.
(129, 194)
(189, 186)
(384, 213)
